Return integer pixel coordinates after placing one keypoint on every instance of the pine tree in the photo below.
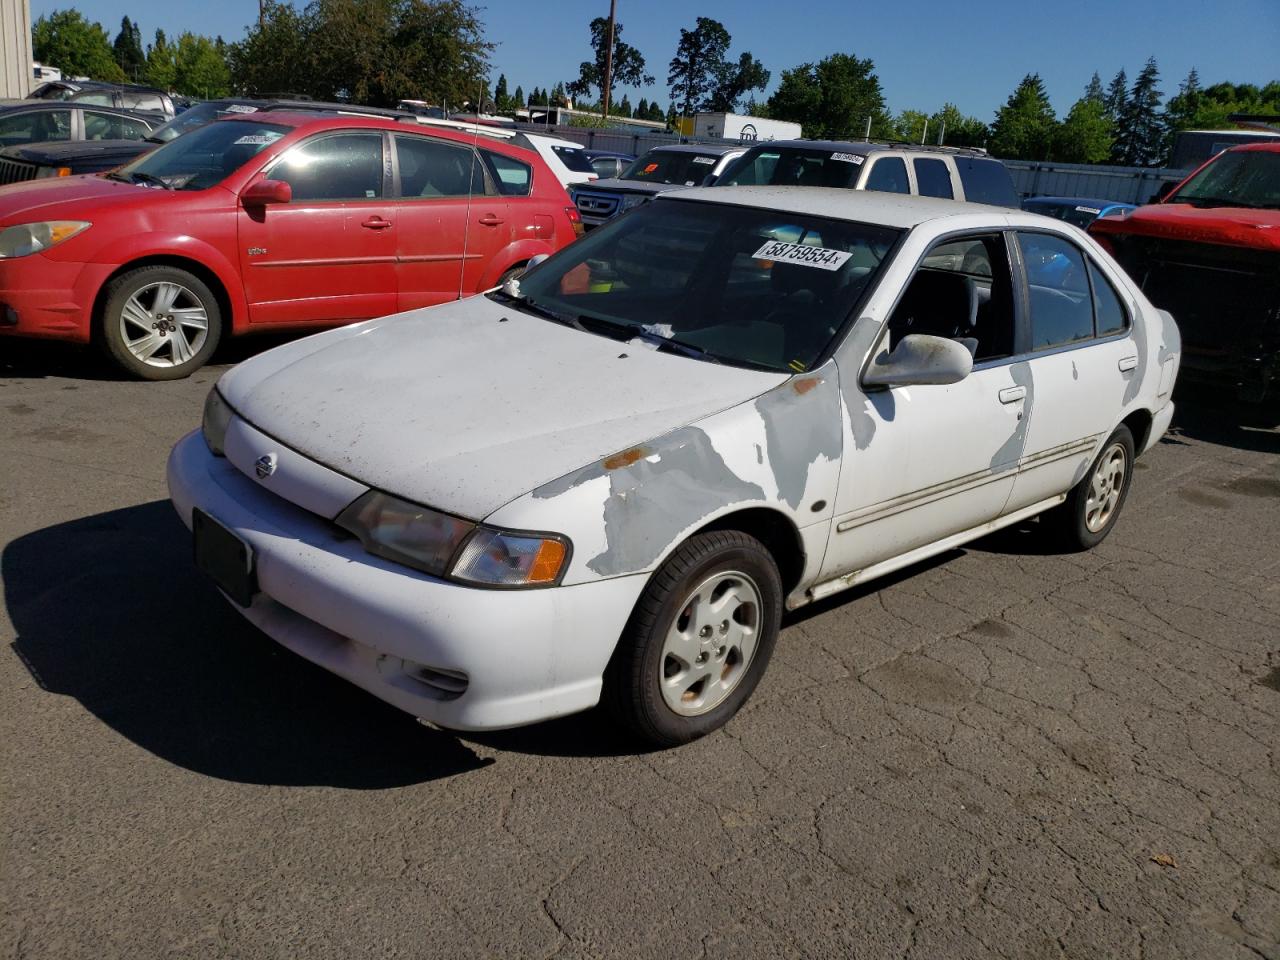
(501, 99)
(128, 50)
(1025, 126)
(642, 109)
(1094, 90)
(1140, 134)
(624, 108)
(1117, 95)
(519, 98)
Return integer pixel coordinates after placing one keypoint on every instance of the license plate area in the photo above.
(224, 558)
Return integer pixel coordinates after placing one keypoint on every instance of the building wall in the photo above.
(15, 48)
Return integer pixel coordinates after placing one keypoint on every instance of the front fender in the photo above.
(176, 247)
(521, 251)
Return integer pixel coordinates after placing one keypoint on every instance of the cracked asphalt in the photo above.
(1001, 753)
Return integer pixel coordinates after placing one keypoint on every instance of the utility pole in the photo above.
(262, 12)
(608, 57)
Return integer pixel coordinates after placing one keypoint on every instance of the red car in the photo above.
(267, 221)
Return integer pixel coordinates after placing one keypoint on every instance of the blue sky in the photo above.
(926, 51)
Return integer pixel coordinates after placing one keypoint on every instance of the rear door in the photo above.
(451, 220)
(330, 255)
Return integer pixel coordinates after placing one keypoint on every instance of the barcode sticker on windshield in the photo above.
(848, 157)
(1088, 210)
(821, 257)
(256, 138)
(704, 159)
(239, 108)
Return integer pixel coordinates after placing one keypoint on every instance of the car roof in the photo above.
(704, 148)
(1090, 201)
(860, 206)
(1265, 147)
(38, 106)
(868, 147)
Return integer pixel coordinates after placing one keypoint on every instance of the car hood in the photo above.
(75, 198)
(615, 185)
(466, 406)
(1230, 226)
(57, 153)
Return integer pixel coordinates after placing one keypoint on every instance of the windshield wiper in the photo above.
(139, 176)
(526, 305)
(626, 331)
(113, 175)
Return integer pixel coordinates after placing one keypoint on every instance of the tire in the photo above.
(724, 588)
(512, 274)
(1084, 521)
(150, 323)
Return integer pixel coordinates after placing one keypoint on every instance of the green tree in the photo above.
(501, 99)
(1095, 90)
(517, 102)
(624, 108)
(66, 40)
(1140, 134)
(160, 70)
(199, 68)
(1086, 135)
(695, 70)
(128, 50)
(956, 129)
(628, 63)
(275, 54)
(910, 125)
(1025, 126)
(832, 98)
(1117, 95)
(734, 80)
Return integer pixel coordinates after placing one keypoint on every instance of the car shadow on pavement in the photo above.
(1208, 416)
(110, 610)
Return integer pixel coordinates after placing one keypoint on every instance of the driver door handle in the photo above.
(376, 223)
(491, 220)
(1127, 363)
(1012, 394)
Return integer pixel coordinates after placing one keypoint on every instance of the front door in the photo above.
(452, 222)
(926, 462)
(330, 254)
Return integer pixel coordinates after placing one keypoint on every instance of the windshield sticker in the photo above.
(853, 158)
(239, 108)
(259, 138)
(823, 258)
(1093, 210)
(650, 168)
(710, 160)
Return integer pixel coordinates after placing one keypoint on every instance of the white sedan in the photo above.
(609, 480)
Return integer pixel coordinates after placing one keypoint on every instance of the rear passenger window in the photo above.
(933, 178)
(514, 178)
(888, 174)
(1061, 305)
(112, 126)
(986, 181)
(1111, 316)
(429, 168)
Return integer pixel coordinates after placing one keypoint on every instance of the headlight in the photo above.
(634, 200)
(446, 546)
(42, 172)
(28, 238)
(217, 417)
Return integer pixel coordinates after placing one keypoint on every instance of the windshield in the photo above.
(1248, 178)
(198, 116)
(206, 156)
(575, 159)
(1081, 215)
(756, 288)
(793, 167)
(672, 166)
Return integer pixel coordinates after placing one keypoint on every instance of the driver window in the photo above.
(962, 290)
(1061, 311)
(344, 167)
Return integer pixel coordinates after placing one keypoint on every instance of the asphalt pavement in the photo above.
(1004, 752)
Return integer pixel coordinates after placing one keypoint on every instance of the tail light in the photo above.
(575, 220)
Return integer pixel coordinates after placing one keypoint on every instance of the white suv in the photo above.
(567, 160)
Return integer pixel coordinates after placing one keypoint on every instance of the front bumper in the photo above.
(461, 657)
(50, 299)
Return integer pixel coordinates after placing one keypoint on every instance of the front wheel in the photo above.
(698, 641)
(1093, 504)
(160, 323)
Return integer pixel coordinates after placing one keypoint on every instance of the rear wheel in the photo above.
(698, 641)
(160, 323)
(1093, 504)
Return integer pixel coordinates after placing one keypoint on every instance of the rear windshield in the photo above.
(574, 158)
(986, 181)
(793, 167)
(204, 157)
(1079, 214)
(672, 166)
(198, 116)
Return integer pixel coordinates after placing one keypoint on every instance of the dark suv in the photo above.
(952, 173)
(661, 169)
(122, 96)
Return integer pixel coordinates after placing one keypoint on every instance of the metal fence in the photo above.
(1030, 178)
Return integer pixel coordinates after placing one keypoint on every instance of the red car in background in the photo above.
(269, 221)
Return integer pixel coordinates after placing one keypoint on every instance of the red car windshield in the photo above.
(1248, 178)
(203, 157)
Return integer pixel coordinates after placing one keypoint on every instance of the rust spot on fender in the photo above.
(805, 384)
(624, 459)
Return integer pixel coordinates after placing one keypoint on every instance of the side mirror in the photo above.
(266, 192)
(920, 359)
(1166, 188)
(535, 260)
